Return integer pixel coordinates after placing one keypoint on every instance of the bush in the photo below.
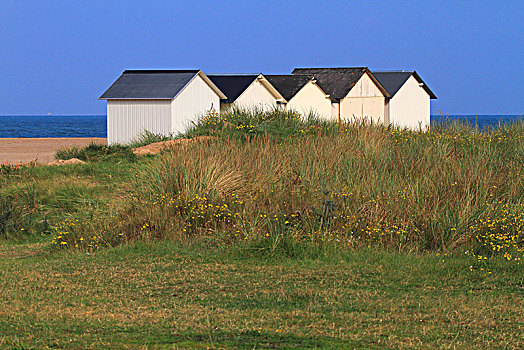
(21, 215)
(9, 168)
(240, 122)
(348, 185)
(499, 231)
(95, 152)
(13, 219)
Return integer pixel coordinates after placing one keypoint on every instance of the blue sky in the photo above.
(59, 56)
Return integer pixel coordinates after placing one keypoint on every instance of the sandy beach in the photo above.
(41, 150)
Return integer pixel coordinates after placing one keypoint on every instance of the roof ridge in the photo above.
(330, 68)
(159, 71)
(289, 75)
(392, 71)
(233, 74)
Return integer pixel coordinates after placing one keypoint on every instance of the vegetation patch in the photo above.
(95, 152)
(7, 168)
(279, 231)
(327, 185)
(165, 295)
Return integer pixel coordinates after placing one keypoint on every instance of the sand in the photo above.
(157, 147)
(41, 150)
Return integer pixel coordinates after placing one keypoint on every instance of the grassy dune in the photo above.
(278, 231)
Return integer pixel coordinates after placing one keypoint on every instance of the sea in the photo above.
(95, 125)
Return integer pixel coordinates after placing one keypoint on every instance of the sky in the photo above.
(59, 56)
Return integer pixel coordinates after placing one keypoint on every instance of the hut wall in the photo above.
(410, 107)
(311, 99)
(195, 100)
(256, 96)
(128, 119)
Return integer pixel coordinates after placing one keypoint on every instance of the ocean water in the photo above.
(53, 126)
(483, 121)
(95, 125)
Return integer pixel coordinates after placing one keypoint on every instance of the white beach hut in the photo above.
(302, 94)
(409, 105)
(355, 92)
(246, 91)
(159, 101)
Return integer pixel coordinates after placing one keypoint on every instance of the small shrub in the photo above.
(12, 220)
(22, 215)
(95, 152)
(82, 234)
(6, 168)
(251, 122)
(499, 232)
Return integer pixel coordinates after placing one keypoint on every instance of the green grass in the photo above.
(46, 195)
(164, 295)
(240, 123)
(95, 152)
(277, 232)
(355, 185)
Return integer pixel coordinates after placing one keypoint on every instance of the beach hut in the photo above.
(302, 94)
(246, 91)
(159, 101)
(409, 105)
(355, 92)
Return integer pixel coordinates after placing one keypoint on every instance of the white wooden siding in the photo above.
(128, 119)
(387, 119)
(369, 108)
(335, 110)
(409, 108)
(364, 101)
(256, 96)
(365, 87)
(311, 99)
(196, 99)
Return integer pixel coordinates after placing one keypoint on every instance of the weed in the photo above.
(95, 152)
(6, 168)
(11, 217)
(345, 185)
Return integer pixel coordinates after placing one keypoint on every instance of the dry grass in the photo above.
(352, 184)
(289, 234)
(165, 296)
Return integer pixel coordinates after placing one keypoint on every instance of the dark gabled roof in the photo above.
(232, 85)
(337, 82)
(149, 84)
(394, 80)
(288, 85)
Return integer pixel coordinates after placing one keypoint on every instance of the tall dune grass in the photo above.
(319, 183)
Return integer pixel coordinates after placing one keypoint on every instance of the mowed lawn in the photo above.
(167, 295)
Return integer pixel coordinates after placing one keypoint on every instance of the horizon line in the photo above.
(98, 115)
